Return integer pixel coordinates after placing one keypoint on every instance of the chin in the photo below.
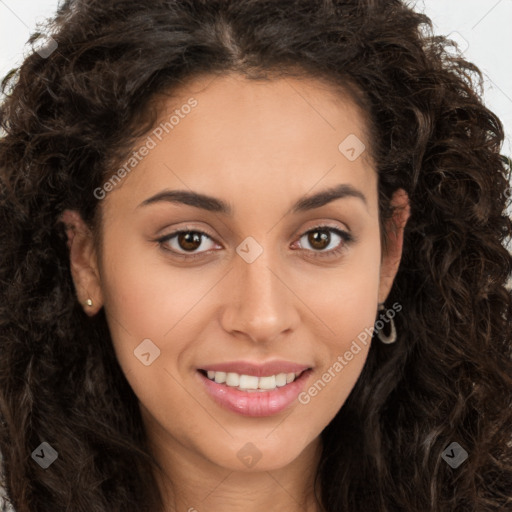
(258, 455)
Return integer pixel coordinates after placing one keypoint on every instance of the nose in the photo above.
(259, 302)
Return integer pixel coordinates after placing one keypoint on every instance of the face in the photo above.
(267, 283)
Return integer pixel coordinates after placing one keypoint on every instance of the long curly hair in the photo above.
(71, 113)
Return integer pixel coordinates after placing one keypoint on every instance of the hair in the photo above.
(69, 117)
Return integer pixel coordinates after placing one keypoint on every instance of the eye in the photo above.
(186, 242)
(326, 240)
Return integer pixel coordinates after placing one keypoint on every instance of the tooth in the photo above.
(233, 379)
(251, 382)
(281, 379)
(220, 377)
(248, 382)
(267, 382)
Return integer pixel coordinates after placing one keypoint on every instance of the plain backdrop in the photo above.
(482, 28)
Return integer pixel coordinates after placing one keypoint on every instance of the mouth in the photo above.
(251, 383)
(254, 390)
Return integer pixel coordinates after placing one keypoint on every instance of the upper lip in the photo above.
(257, 369)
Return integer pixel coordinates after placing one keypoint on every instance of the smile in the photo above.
(254, 390)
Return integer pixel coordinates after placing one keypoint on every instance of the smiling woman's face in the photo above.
(248, 291)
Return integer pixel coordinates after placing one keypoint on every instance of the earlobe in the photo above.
(395, 235)
(83, 262)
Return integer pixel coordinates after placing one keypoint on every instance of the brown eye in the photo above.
(319, 239)
(189, 240)
(325, 239)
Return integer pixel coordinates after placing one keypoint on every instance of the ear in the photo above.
(392, 254)
(83, 261)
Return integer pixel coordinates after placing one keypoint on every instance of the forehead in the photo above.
(236, 134)
(285, 107)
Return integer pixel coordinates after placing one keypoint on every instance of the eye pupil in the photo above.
(321, 237)
(189, 240)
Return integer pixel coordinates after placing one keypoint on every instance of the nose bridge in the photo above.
(261, 306)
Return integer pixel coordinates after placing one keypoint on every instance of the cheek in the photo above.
(348, 308)
(346, 297)
(145, 290)
(144, 298)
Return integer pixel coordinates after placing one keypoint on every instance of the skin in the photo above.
(260, 146)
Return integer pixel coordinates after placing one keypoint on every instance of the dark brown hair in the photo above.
(447, 379)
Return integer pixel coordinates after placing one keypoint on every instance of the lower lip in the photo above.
(257, 403)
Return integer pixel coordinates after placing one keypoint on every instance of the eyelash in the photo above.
(346, 237)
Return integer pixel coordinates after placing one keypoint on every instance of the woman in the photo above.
(252, 258)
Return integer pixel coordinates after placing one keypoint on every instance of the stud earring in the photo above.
(88, 302)
(386, 339)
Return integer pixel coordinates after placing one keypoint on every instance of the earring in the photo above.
(380, 333)
(88, 302)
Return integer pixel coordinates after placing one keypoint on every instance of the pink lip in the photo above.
(256, 403)
(257, 369)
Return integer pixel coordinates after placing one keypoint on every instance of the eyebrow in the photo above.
(213, 204)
